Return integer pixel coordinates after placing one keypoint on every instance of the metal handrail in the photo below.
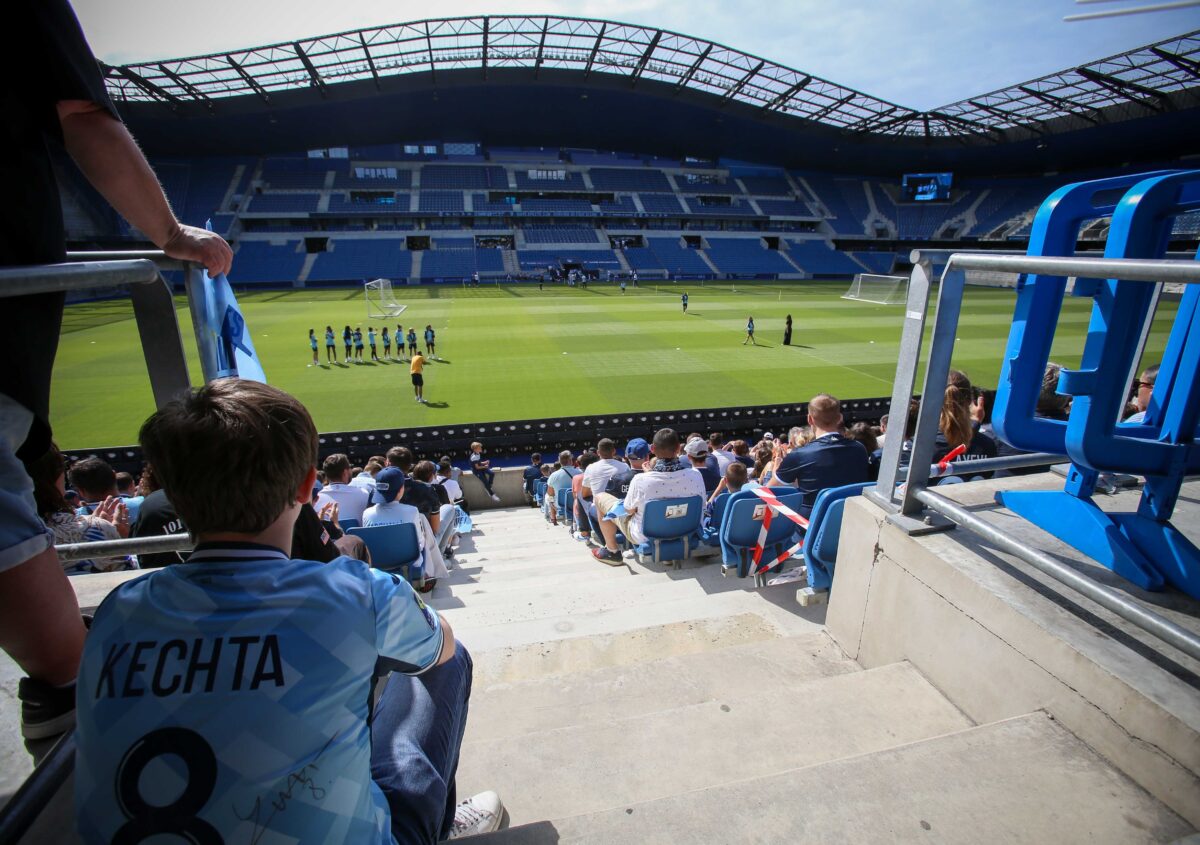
(54, 278)
(21, 811)
(131, 546)
(1149, 621)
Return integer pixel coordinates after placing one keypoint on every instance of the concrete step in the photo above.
(1022, 780)
(498, 629)
(623, 648)
(732, 675)
(637, 757)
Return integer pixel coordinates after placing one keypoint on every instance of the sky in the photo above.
(918, 53)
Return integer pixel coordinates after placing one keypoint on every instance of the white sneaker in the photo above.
(495, 498)
(480, 813)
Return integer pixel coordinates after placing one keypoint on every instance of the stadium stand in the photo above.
(845, 219)
(623, 179)
(591, 259)
(662, 203)
(785, 208)
(820, 259)
(697, 206)
(677, 258)
(622, 205)
(767, 186)
(402, 181)
(380, 205)
(746, 256)
(706, 187)
(282, 203)
(453, 260)
(642, 258)
(482, 205)
(876, 262)
(559, 235)
(571, 181)
(441, 202)
(570, 207)
(264, 262)
(351, 259)
(462, 177)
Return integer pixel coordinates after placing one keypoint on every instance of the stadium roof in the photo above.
(1149, 81)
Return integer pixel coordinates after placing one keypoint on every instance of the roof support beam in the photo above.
(973, 125)
(370, 61)
(645, 59)
(537, 65)
(741, 83)
(1129, 90)
(687, 77)
(185, 85)
(148, 86)
(834, 106)
(1034, 126)
(1063, 105)
(250, 80)
(781, 99)
(487, 22)
(429, 47)
(595, 49)
(317, 82)
(869, 123)
(1182, 62)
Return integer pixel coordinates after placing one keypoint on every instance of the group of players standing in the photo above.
(353, 341)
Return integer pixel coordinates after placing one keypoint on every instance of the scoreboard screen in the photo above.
(926, 187)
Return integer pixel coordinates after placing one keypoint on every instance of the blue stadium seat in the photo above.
(564, 501)
(746, 257)
(824, 529)
(743, 522)
(629, 179)
(394, 548)
(712, 533)
(672, 529)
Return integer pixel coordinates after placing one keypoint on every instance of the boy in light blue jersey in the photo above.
(227, 699)
(371, 342)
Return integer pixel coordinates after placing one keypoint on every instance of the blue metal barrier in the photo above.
(1143, 546)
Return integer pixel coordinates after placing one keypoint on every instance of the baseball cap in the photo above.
(637, 448)
(696, 448)
(768, 436)
(388, 485)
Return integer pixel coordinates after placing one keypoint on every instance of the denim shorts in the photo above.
(22, 532)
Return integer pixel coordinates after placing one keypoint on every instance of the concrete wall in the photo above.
(997, 642)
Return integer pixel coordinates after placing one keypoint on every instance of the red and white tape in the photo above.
(774, 506)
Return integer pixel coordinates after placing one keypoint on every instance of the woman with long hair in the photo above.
(956, 423)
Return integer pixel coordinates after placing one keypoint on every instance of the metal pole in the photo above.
(49, 278)
(162, 345)
(1029, 459)
(1125, 269)
(1150, 622)
(35, 794)
(132, 546)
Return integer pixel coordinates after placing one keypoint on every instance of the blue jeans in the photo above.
(22, 532)
(416, 734)
(486, 477)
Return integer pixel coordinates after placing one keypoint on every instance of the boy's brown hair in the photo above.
(262, 437)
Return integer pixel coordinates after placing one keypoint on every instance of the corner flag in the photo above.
(224, 320)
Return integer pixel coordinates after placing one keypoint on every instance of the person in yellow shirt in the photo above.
(415, 368)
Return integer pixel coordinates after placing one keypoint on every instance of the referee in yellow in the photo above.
(416, 368)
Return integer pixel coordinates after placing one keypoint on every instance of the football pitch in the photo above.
(514, 352)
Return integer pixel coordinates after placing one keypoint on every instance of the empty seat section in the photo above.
(450, 258)
(483, 205)
(727, 187)
(746, 256)
(767, 186)
(560, 235)
(785, 208)
(368, 258)
(295, 181)
(619, 205)
(661, 204)
(260, 261)
(844, 220)
(697, 207)
(441, 201)
(879, 263)
(462, 177)
(571, 181)
(676, 258)
(283, 203)
(342, 202)
(820, 259)
(402, 181)
(629, 179)
(642, 258)
(539, 259)
(556, 206)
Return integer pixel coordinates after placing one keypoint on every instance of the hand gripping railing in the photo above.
(906, 503)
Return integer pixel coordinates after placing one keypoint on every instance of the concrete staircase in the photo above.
(647, 704)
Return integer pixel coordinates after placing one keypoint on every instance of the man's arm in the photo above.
(112, 161)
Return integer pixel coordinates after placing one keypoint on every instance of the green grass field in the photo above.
(516, 352)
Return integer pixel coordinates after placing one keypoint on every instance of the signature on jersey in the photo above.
(296, 783)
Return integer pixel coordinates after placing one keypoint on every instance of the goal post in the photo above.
(381, 304)
(882, 290)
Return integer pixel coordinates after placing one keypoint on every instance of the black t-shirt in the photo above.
(310, 539)
(157, 517)
(828, 461)
(712, 478)
(62, 67)
(421, 496)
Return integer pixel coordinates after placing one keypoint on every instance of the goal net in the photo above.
(381, 305)
(882, 290)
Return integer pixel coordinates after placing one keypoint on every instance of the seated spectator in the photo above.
(390, 510)
(309, 637)
(664, 477)
(445, 477)
(319, 538)
(351, 501)
(736, 478)
(764, 464)
(583, 531)
(438, 514)
(864, 433)
(366, 478)
(547, 470)
(697, 452)
(830, 460)
(881, 437)
(560, 479)
(94, 481)
(1143, 389)
(741, 452)
(424, 472)
(530, 478)
(956, 426)
(108, 519)
(716, 445)
(156, 518)
(481, 467)
(599, 473)
(127, 490)
(1051, 404)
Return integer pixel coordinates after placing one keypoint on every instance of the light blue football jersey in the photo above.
(226, 699)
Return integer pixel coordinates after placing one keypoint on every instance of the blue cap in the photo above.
(637, 448)
(388, 485)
